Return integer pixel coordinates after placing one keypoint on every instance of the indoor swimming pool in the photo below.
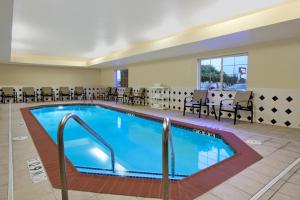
(136, 141)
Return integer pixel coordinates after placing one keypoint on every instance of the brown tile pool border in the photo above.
(187, 188)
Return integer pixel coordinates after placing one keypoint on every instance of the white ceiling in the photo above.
(93, 28)
(280, 31)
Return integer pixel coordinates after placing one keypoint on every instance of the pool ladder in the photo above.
(61, 150)
(166, 137)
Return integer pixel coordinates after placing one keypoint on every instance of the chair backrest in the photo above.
(128, 91)
(64, 90)
(108, 90)
(28, 91)
(8, 91)
(114, 91)
(142, 92)
(47, 90)
(78, 90)
(199, 95)
(242, 98)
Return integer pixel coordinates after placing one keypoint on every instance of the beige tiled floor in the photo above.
(280, 146)
(3, 152)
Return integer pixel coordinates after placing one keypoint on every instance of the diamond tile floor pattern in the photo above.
(279, 147)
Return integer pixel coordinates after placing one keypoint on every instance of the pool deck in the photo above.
(280, 147)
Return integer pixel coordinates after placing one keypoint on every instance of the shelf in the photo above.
(160, 99)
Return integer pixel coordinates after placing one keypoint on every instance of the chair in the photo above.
(113, 93)
(79, 92)
(241, 101)
(198, 100)
(105, 95)
(47, 92)
(28, 92)
(127, 95)
(8, 92)
(141, 96)
(64, 92)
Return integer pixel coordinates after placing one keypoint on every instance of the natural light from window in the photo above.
(224, 73)
(121, 78)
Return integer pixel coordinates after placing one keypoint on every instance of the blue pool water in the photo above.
(135, 140)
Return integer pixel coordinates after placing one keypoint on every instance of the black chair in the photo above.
(141, 96)
(113, 94)
(241, 101)
(9, 93)
(105, 95)
(79, 92)
(47, 92)
(197, 100)
(28, 92)
(65, 92)
(126, 96)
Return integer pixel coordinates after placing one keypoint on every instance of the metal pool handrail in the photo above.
(61, 150)
(166, 136)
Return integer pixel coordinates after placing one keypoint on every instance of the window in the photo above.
(121, 78)
(224, 73)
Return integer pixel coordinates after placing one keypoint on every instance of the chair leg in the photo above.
(235, 114)
(252, 115)
(207, 110)
(200, 110)
(220, 111)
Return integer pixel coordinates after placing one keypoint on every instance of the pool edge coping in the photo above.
(187, 188)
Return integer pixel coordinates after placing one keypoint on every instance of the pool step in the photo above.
(135, 174)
